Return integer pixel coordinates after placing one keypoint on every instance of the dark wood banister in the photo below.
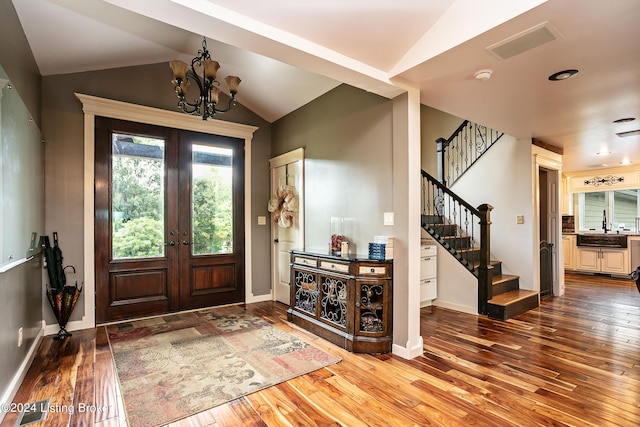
(442, 145)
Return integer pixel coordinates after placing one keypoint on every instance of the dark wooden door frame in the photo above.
(163, 275)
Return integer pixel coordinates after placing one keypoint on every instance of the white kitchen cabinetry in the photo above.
(603, 260)
(568, 251)
(428, 273)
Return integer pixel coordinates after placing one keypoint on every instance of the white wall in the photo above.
(502, 178)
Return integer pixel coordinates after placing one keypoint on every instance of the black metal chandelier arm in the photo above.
(232, 102)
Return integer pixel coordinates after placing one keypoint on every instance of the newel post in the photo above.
(485, 269)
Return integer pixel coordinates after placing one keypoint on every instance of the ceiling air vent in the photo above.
(524, 41)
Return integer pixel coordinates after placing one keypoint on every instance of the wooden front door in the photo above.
(169, 220)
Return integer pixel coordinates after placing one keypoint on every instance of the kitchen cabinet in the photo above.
(428, 273)
(603, 260)
(568, 251)
(345, 300)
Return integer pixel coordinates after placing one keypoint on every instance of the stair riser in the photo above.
(506, 286)
(470, 255)
(511, 310)
(444, 229)
(431, 219)
(458, 242)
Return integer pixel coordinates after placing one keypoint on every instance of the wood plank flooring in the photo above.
(574, 361)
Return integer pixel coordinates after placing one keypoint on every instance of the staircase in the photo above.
(464, 230)
(505, 298)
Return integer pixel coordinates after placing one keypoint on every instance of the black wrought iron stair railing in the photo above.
(462, 149)
(461, 229)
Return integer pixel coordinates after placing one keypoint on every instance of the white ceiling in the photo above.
(288, 52)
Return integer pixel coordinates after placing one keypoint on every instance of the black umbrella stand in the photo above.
(62, 297)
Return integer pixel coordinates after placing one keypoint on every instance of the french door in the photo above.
(169, 220)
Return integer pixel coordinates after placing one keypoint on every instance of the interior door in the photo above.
(286, 170)
(169, 220)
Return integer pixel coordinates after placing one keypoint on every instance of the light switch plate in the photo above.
(262, 220)
(520, 219)
(388, 218)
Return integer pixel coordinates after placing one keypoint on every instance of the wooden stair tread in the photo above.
(511, 297)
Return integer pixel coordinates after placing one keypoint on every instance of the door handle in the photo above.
(171, 243)
(187, 243)
(275, 240)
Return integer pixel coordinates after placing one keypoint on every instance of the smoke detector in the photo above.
(483, 75)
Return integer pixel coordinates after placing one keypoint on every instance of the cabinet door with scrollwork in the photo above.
(372, 307)
(305, 291)
(334, 300)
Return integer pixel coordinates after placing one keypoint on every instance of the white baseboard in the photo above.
(17, 379)
(456, 307)
(410, 351)
(76, 325)
(259, 298)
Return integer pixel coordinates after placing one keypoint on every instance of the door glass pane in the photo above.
(212, 200)
(593, 212)
(625, 209)
(137, 196)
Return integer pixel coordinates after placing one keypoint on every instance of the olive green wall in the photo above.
(20, 288)
(63, 131)
(347, 137)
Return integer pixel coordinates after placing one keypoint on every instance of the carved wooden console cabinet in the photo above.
(346, 300)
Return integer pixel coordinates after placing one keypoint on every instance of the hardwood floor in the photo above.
(574, 361)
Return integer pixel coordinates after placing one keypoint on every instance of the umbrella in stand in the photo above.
(62, 298)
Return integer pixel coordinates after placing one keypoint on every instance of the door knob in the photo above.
(187, 243)
(275, 240)
(171, 243)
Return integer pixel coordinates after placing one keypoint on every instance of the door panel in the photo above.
(169, 223)
(135, 197)
(286, 239)
(211, 220)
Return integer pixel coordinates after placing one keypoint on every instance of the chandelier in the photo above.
(206, 104)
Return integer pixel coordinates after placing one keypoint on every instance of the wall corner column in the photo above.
(407, 341)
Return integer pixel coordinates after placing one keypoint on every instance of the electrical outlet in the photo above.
(20, 337)
(520, 219)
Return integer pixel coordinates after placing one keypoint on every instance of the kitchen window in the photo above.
(618, 208)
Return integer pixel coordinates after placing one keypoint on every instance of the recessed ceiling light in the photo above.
(625, 162)
(562, 75)
(625, 120)
(603, 153)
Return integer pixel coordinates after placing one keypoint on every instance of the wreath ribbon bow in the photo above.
(284, 206)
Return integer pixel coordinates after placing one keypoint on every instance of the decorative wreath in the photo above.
(284, 205)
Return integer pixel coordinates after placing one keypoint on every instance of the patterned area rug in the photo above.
(174, 366)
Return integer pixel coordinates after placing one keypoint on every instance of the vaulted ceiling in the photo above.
(288, 52)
